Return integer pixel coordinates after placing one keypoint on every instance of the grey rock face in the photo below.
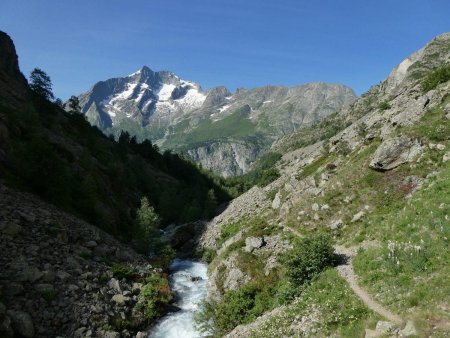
(395, 151)
(217, 97)
(226, 158)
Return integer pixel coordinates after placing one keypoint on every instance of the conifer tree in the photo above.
(41, 84)
(74, 105)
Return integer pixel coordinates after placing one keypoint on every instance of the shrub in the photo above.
(123, 271)
(228, 231)
(384, 105)
(49, 295)
(237, 307)
(103, 279)
(343, 148)
(207, 255)
(154, 297)
(164, 254)
(308, 259)
(268, 176)
(436, 77)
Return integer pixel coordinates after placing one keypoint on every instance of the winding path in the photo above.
(345, 270)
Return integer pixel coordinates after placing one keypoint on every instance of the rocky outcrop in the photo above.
(57, 274)
(395, 151)
(239, 208)
(226, 158)
(13, 85)
(226, 276)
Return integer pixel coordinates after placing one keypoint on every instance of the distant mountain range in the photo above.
(220, 130)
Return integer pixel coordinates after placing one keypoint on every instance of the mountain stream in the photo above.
(188, 281)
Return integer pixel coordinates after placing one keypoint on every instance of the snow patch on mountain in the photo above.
(193, 98)
(144, 89)
(221, 109)
(126, 94)
(165, 92)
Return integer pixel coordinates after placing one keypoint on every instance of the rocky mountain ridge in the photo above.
(222, 131)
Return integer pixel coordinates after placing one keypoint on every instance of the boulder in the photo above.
(22, 323)
(120, 299)
(409, 330)
(91, 244)
(136, 288)
(385, 327)
(446, 157)
(357, 217)
(24, 272)
(276, 203)
(395, 151)
(337, 224)
(114, 284)
(253, 243)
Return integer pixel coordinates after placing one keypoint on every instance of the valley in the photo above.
(276, 211)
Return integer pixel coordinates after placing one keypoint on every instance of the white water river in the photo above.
(190, 294)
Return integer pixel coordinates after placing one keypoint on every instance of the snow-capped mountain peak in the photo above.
(144, 95)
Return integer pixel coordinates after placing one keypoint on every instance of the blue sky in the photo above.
(234, 43)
